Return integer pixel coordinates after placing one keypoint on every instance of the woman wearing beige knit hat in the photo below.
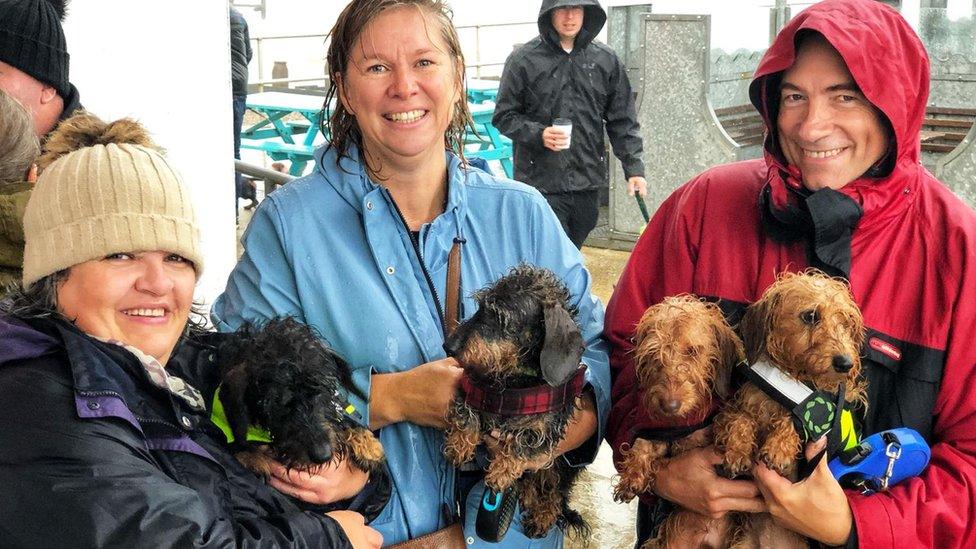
(105, 439)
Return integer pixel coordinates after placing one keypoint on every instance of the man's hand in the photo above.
(554, 139)
(690, 481)
(636, 184)
(815, 507)
(354, 526)
(322, 485)
(421, 395)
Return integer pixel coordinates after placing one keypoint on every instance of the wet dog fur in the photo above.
(808, 325)
(280, 376)
(524, 334)
(684, 352)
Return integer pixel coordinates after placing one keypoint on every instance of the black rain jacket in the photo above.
(589, 86)
(240, 52)
(93, 455)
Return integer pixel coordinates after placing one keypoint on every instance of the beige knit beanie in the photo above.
(105, 189)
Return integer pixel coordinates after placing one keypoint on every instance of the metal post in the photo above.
(477, 50)
(779, 15)
(259, 41)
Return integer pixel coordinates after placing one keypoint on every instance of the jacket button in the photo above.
(390, 270)
(369, 205)
(93, 405)
(186, 422)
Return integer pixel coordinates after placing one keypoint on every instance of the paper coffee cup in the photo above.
(564, 125)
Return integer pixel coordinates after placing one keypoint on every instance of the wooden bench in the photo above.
(944, 128)
(742, 123)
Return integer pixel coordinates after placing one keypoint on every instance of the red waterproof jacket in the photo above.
(906, 243)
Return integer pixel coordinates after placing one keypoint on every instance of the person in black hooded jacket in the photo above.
(563, 73)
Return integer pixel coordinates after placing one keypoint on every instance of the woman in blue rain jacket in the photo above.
(358, 249)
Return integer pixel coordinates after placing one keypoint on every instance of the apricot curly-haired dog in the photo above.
(808, 326)
(684, 352)
(522, 338)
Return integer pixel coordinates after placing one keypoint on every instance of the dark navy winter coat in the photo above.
(92, 454)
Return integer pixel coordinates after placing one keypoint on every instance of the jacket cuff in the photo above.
(362, 379)
(872, 522)
(369, 502)
(634, 168)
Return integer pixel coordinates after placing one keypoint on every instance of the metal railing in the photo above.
(477, 65)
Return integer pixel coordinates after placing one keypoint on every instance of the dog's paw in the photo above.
(502, 472)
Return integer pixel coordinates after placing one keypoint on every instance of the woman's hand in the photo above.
(420, 395)
(815, 507)
(325, 484)
(354, 526)
(690, 481)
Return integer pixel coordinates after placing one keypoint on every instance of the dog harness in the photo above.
(255, 433)
(520, 402)
(813, 412)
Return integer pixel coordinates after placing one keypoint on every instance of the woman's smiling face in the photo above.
(142, 299)
(402, 85)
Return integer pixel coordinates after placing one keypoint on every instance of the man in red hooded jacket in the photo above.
(843, 91)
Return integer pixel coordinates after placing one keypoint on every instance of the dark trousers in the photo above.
(240, 105)
(577, 212)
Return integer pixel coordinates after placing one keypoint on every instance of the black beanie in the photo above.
(32, 40)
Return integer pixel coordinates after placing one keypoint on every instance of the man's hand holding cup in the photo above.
(558, 136)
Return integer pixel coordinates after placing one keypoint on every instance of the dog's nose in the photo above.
(842, 364)
(452, 346)
(320, 453)
(671, 406)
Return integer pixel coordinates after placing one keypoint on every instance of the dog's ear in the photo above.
(730, 354)
(233, 390)
(754, 328)
(563, 345)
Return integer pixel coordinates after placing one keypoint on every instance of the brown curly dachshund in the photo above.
(808, 326)
(684, 352)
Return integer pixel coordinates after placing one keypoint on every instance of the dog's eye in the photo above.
(810, 318)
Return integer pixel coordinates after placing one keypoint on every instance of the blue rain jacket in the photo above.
(331, 249)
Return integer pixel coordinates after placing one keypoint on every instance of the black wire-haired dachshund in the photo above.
(521, 356)
(281, 376)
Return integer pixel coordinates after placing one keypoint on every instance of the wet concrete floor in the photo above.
(612, 523)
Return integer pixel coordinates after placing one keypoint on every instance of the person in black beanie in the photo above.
(34, 60)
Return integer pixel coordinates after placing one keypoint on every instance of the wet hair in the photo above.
(341, 126)
(19, 146)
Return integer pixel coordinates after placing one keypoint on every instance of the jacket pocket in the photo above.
(903, 383)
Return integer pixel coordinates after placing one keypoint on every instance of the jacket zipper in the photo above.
(420, 258)
(139, 418)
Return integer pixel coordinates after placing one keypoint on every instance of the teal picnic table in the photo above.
(480, 91)
(281, 139)
(296, 140)
(486, 141)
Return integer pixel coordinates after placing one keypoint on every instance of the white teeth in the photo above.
(145, 312)
(408, 116)
(822, 154)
